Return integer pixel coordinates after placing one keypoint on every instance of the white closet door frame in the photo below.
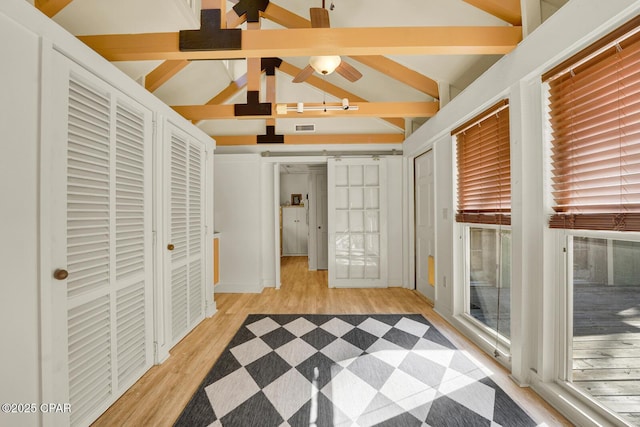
(171, 337)
(56, 302)
(350, 204)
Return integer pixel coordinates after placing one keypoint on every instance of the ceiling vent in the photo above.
(305, 128)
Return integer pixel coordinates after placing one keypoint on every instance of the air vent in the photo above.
(305, 128)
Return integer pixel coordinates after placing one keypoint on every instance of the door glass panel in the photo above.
(356, 198)
(490, 278)
(342, 267)
(355, 176)
(356, 221)
(372, 221)
(606, 323)
(372, 198)
(342, 198)
(342, 175)
(371, 176)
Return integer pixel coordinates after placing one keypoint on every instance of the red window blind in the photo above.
(484, 167)
(594, 104)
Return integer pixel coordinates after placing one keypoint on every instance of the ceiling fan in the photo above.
(326, 64)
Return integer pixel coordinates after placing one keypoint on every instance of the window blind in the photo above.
(484, 167)
(594, 117)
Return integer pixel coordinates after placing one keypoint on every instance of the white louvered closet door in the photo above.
(185, 213)
(102, 328)
(357, 214)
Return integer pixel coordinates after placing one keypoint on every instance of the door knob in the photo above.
(60, 274)
(170, 246)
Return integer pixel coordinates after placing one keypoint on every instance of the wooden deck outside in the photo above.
(606, 346)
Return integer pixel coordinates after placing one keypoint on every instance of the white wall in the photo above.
(19, 230)
(293, 183)
(535, 249)
(395, 216)
(238, 217)
(268, 276)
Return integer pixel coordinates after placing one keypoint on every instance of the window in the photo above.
(490, 278)
(594, 127)
(594, 117)
(605, 337)
(484, 168)
(484, 206)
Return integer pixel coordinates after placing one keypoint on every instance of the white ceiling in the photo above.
(201, 80)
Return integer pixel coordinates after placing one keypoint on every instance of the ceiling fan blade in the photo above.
(319, 17)
(347, 71)
(304, 74)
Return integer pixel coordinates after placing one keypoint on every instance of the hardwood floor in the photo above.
(158, 398)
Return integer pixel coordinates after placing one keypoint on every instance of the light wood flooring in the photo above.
(158, 398)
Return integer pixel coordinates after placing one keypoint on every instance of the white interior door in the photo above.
(185, 246)
(424, 220)
(357, 207)
(289, 231)
(101, 312)
(322, 254)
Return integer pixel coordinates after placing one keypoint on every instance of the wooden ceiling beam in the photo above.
(233, 20)
(507, 10)
(401, 73)
(371, 138)
(228, 92)
(217, 4)
(334, 90)
(379, 63)
(51, 7)
(163, 72)
(365, 109)
(282, 16)
(318, 41)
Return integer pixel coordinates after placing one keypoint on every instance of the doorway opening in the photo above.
(302, 218)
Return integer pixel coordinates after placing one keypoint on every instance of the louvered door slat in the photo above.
(90, 378)
(131, 337)
(179, 322)
(186, 228)
(87, 156)
(130, 242)
(129, 202)
(195, 291)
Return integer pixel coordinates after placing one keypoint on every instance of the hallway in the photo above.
(159, 397)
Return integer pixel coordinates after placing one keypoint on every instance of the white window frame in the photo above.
(564, 339)
(484, 332)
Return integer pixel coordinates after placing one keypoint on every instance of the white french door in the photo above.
(357, 202)
(184, 274)
(99, 300)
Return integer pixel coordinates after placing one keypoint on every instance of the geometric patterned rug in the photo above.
(347, 370)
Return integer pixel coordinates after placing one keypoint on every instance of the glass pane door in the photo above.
(357, 223)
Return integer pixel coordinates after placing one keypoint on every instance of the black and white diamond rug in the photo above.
(347, 370)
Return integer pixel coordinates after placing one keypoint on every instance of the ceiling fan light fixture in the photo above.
(325, 64)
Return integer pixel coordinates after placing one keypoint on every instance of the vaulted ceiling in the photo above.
(414, 56)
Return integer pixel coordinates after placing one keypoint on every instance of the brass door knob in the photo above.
(170, 246)
(60, 274)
